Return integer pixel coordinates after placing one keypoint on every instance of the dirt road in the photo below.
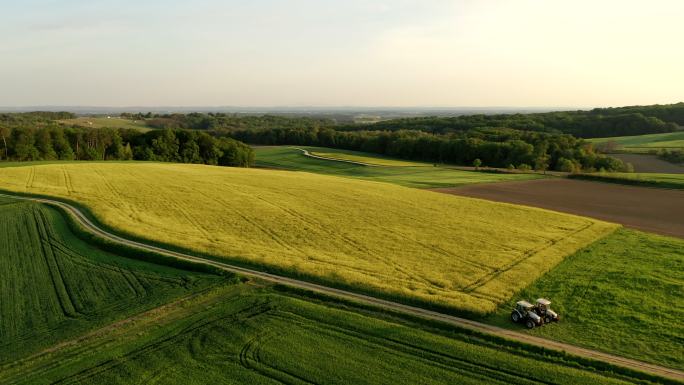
(457, 321)
(650, 209)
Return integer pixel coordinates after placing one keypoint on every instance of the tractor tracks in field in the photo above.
(90, 226)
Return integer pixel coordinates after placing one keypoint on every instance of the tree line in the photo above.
(51, 141)
(493, 147)
(599, 122)
(672, 156)
(226, 122)
(583, 124)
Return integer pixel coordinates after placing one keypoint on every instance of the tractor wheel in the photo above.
(515, 317)
(529, 324)
(547, 319)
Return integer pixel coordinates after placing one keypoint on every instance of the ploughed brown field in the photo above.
(650, 163)
(655, 210)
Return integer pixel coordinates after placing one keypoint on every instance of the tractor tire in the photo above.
(547, 320)
(529, 324)
(515, 317)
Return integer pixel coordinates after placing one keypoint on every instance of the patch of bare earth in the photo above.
(654, 210)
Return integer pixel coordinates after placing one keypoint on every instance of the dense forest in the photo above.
(599, 122)
(673, 113)
(536, 140)
(487, 147)
(583, 124)
(36, 136)
(596, 123)
(227, 122)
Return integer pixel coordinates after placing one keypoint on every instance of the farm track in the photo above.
(310, 155)
(84, 221)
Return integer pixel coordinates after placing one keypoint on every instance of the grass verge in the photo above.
(624, 294)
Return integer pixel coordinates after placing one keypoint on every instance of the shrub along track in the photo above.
(85, 222)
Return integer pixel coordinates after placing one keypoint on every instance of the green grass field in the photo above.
(243, 334)
(674, 181)
(624, 295)
(54, 285)
(645, 143)
(409, 174)
(113, 122)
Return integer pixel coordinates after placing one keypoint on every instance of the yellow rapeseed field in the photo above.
(459, 252)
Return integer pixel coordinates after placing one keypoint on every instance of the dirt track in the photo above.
(655, 210)
(84, 221)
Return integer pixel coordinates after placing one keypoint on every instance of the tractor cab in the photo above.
(543, 309)
(523, 307)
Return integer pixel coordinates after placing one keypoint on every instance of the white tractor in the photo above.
(544, 311)
(534, 315)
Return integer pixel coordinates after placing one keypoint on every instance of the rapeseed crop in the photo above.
(399, 242)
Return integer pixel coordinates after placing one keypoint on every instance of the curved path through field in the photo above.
(310, 155)
(398, 307)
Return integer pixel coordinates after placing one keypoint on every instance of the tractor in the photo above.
(544, 311)
(524, 312)
(534, 315)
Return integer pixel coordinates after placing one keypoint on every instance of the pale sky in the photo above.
(341, 52)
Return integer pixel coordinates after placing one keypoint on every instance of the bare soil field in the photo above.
(650, 163)
(655, 210)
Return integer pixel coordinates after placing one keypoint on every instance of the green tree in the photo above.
(61, 145)
(165, 146)
(477, 163)
(44, 145)
(24, 145)
(209, 149)
(566, 165)
(5, 132)
(127, 152)
(541, 163)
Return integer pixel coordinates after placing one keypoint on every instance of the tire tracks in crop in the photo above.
(480, 327)
(30, 177)
(441, 360)
(529, 254)
(346, 239)
(68, 184)
(64, 296)
(272, 234)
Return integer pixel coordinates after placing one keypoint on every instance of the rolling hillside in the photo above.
(390, 170)
(373, 237)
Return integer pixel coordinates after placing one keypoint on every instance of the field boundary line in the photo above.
(465, 323)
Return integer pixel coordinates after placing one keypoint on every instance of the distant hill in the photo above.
(596, 123)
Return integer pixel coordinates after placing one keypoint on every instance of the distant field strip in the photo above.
(403, 173)
(673, 181)
(643, 143)
(449, 251)
(100, 122)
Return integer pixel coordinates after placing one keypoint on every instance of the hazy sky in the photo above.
(341, 52)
